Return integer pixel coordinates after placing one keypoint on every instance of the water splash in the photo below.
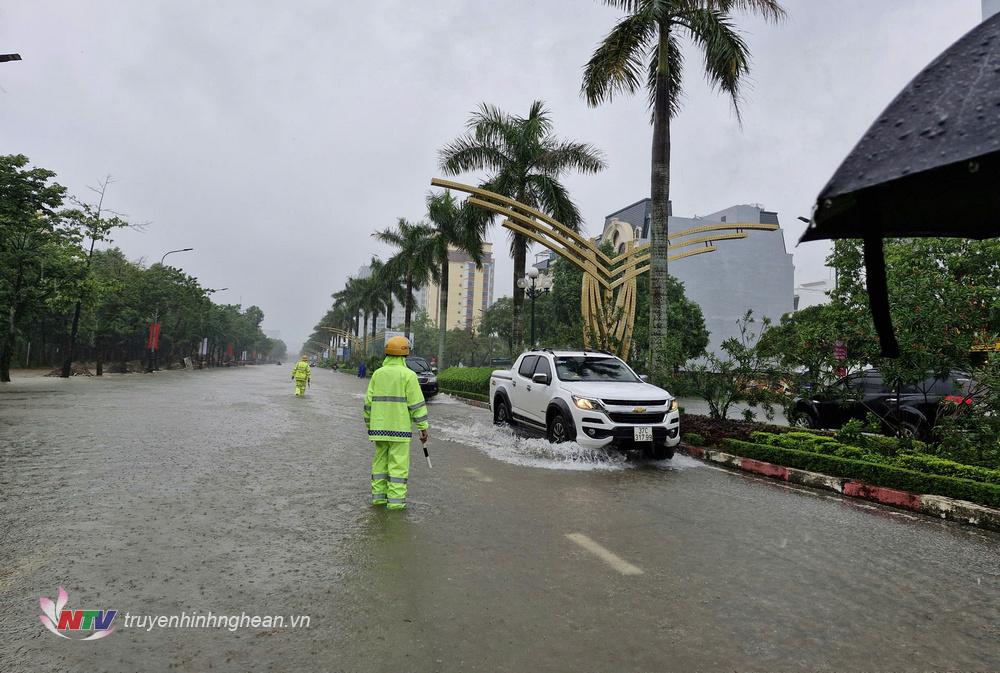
(507, 445)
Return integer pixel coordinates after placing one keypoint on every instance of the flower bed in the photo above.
(713, 431)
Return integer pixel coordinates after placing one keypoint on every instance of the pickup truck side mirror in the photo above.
(434, 369)
(644, 378)
(541, 378)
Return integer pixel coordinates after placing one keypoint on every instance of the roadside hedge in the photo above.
(693, 438)
(872, 473)
(474, 380)
(468, 396)
(918, 462)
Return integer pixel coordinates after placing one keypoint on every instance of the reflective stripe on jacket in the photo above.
(394, 402)
(301, 371)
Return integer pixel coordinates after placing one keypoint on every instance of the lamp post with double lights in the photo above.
(534, 285)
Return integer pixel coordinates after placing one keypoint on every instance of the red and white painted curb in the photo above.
(933, 505)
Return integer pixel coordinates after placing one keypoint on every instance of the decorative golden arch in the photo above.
(344, 334)
(322, 346)
(608, 319)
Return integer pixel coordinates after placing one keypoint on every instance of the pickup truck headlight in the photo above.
(673, 406)
(587, 403)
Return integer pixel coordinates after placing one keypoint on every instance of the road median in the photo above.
(784, 464)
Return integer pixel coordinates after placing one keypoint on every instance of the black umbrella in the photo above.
(929, 166)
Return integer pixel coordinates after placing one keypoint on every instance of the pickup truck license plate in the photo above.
(643, 433)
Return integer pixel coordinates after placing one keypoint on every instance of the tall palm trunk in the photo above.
(442, 311)
(408, 309)
(520, 253)
(660, 195)
(364, 335)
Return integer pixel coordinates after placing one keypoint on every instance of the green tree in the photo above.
(498, 321)
(944, 295)
(453, 226)
(525, 161)
(387, 287)
(413, 262)
(35, 250)
(644, 50)
(686, 339)
(805, 341)
(354, 296)
(95, 226)
(742, 373)
(278, 350)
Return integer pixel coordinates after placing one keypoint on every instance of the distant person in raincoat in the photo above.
(392, 405)
(301, 375)
(362, 369)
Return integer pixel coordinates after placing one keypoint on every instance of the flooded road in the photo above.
(219, 492)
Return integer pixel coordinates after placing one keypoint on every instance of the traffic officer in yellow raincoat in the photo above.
(393, 404)
(301, 375)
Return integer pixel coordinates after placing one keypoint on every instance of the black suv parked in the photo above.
(426, 375)
(908, 409)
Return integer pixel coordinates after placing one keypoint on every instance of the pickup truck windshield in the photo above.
(593, 369)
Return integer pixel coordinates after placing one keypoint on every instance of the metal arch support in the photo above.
(608, 318)
(343, 333)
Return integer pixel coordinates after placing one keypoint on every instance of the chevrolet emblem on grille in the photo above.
(639, 410)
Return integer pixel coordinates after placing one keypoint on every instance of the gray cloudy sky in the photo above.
(273, 137)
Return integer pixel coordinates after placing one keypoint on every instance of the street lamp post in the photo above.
(534, 285)
(153, 339)
(203, 346)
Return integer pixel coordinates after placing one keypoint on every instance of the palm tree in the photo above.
(648, 38)
(452, 226)
(414, 261)
(371, 301)
(525, 162)
(353, 297)
(387, 286)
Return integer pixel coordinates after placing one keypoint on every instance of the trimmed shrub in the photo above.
(948, 468)
(693, 438)
(475, 380)
(872, 473)
(468, 396)
(917, 462)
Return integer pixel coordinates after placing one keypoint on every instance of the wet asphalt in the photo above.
(218, 491)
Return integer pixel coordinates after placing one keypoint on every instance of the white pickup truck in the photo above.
(590, 397)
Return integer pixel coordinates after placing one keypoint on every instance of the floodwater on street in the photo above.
(220, 492)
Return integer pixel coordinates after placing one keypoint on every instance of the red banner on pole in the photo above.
(153, 341)
(229, 350)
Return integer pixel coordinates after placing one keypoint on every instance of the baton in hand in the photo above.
(427, 455)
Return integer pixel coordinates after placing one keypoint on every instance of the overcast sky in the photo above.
(274, 137)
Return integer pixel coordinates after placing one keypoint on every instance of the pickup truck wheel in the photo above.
(559, 428)
(501, 412)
